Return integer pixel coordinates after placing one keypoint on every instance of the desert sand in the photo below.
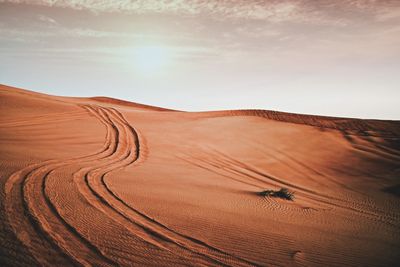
(105, 182)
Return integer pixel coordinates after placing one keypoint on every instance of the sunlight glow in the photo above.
(151, 59)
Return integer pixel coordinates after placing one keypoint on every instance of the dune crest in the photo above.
(105, 182)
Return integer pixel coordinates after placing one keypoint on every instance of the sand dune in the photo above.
(106, 182)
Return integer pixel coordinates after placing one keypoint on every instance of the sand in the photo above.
(105, 182)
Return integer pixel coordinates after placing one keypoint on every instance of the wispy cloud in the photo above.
(47, 19)
(304, 11)
(66, 32)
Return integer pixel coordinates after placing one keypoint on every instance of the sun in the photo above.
(151, 59)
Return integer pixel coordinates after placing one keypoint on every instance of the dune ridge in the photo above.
(361, 126)
(106, 182)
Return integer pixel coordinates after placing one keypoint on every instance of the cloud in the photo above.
(298, 11)
(268, 27)
(65, 32)
(47, 19)
(388, 14)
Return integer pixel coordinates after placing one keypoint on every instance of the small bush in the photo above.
(283, 193)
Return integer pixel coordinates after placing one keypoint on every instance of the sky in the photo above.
(335, 58)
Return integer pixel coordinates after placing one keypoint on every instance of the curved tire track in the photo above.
(37, 217)
(159, 234)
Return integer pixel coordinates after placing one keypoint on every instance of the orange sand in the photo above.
(105, 182)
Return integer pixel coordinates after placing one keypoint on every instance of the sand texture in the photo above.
(105, 182)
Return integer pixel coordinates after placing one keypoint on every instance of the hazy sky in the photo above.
(339, 57)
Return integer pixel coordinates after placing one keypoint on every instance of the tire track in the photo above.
(374, 148)
(25, 227)
(33, 220)
(261, 179)
(95, 205)
(151, 230)
(52, 237)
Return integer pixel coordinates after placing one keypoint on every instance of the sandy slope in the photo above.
(104, 182)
